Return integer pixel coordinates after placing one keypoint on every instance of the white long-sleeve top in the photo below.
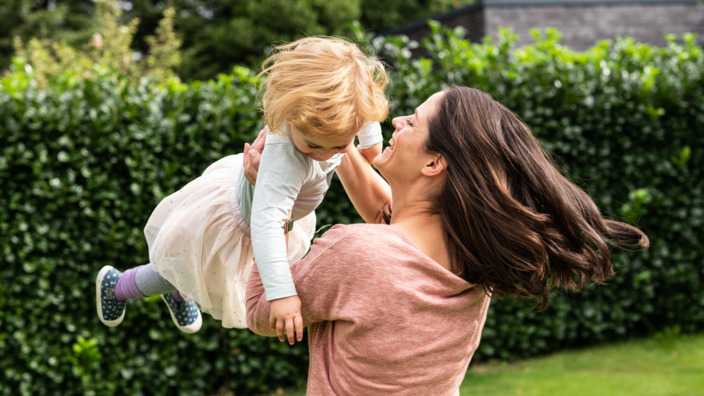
(287, 180)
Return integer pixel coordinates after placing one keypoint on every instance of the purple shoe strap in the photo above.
(177, 296)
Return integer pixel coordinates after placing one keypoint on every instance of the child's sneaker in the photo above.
(110, 311)
(185, 314)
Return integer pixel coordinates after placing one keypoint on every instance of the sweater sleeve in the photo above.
(327, 280)
(257, 306)
(281, 175)
(370, 135)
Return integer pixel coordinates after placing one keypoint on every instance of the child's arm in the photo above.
(285, 315)
(279, 179)
(260, 312)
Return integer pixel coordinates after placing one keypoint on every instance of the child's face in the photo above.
(320, 148)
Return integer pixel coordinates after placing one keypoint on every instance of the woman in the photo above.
(478, 210)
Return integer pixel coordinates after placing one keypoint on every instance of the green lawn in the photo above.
(658, 366)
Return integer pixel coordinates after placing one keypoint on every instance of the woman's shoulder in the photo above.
(362, 232)
(366, 239)
(381, 251)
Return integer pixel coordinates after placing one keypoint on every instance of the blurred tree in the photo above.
(388, 14)
(109, 47)
(60, 20)
(239, 32)
(215, 34)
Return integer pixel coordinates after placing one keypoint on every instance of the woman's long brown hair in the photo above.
(514, 223)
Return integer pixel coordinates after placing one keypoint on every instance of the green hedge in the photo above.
(83, 163)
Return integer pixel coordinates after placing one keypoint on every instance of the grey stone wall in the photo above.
(581, 22)
(469, 17)
(583, 25)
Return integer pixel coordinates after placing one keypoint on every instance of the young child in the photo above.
(318, 94)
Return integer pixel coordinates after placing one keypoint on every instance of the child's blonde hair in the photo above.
(322, 86)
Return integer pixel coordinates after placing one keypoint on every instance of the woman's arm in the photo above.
(367, 190)
(335, 272)
(315, 283)
(258, 309)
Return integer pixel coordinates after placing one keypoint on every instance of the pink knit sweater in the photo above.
(382, 317)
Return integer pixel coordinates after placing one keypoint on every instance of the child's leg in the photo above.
(143, 281)
(114, 288)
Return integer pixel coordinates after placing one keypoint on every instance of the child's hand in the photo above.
(370, 153)
(286, 316)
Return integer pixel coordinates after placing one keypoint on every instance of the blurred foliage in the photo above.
(69, 20)
(85, 160)
(109, 46)
(216, 34)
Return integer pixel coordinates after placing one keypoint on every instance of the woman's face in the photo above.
(405, 156)
(320, 148)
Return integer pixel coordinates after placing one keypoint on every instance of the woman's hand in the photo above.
(285, 317)
(252, 156)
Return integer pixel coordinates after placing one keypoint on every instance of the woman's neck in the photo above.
(416, 221)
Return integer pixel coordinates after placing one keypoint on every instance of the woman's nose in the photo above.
(397, 123)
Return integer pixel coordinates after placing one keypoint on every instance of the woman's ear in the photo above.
(435, 166)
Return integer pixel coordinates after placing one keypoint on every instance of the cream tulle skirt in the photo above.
(199, 242)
